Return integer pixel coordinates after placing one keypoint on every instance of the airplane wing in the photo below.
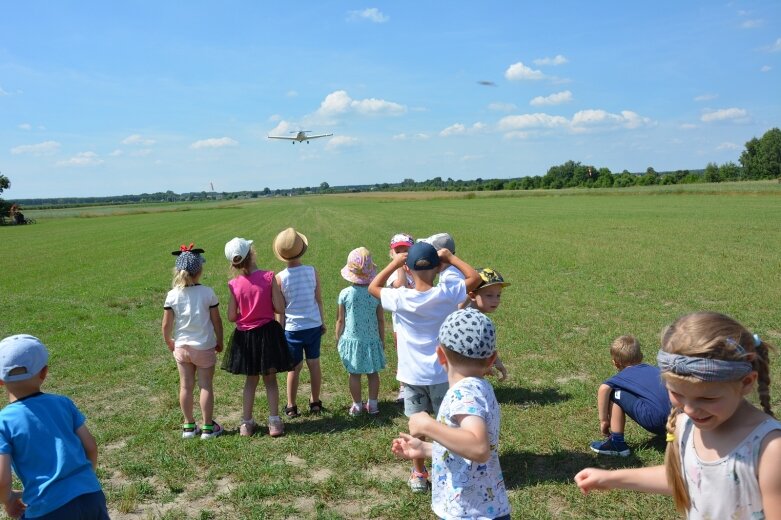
(286, 138)
(319, 135)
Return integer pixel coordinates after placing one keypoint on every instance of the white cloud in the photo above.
(556, 60)
(776, 47)
(291, 93)
(724, 114)
(705, 97)
(214, 142)
(469, 158)
(3, 92)
(554, 99)
(752, 24)
(502, 107)
(282, 128)
(25, 126)
(519, 71)
(137, 139)
(766, 68)
(141, 153)
(589, 119)
(460, 129)
(116, 153)
(688, 126)
(410, 137)
(339, 102)
(44, 148)
(341, 141)
(531, 121)
(371, 14)
(82, 159)
(728, 146)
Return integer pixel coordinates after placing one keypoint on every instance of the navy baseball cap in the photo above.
(422, 257)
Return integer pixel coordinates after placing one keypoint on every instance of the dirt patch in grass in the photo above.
(389, 472)
(294, 461)
(320, 475)
(574, 377)
(192, 500)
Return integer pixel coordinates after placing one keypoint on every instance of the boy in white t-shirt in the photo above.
(468, 481)
(420, 312)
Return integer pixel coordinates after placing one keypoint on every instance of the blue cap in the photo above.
(422, 257)
(24, 354)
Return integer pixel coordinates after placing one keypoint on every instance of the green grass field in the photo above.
(585, 266)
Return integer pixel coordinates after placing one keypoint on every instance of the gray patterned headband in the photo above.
(704, 369)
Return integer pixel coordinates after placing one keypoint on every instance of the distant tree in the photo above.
(762, 157)
(266, 191)
(712, 173)
(730, 171)
(324, 186)
(4, 185)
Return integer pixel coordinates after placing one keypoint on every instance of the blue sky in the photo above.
(108, 98)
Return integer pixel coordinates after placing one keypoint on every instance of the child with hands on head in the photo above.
(420, 312)
(467, 479)
(44, 438)
(360, 330)
(257, 346)
(399, 244)
(486, 298)
(192, 329)
(722, 452)
(303, 317)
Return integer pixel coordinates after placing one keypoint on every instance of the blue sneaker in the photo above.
(610, 447)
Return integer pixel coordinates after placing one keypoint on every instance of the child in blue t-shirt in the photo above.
(637, 391)
(44, 439)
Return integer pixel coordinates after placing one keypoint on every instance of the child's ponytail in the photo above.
(762, 366)
(672, 464)
(182, 279)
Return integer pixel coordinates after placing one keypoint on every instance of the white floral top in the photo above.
(462, 488)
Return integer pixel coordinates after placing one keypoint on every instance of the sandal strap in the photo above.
(209, 427)
(189, 427)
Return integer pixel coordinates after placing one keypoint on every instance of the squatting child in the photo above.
(637, 390)
(419, 313)
(44, 438)
(467, 479)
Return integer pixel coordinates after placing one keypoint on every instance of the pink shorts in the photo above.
(200, 358)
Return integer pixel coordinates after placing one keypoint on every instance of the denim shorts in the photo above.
(303, 341)
(423, 398)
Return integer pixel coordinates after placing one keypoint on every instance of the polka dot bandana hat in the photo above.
(189, 259)
(470, 333)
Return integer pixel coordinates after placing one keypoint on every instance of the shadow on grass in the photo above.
(336, 419)
(527, 396)
(525, 469)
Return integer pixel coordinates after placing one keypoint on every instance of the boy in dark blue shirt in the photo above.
(637, 391)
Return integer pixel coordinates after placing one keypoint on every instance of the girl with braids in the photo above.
(723, 456)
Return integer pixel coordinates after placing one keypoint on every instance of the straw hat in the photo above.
(360, 268)
(290, 244)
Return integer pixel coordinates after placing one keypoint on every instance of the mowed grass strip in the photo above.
(584, 269)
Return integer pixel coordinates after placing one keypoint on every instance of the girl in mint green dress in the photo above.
(360, 330)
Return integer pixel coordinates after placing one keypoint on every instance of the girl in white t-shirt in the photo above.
(192, 329)
(722, 452)
(399, 244)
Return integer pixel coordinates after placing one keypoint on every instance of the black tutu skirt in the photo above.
(259, 351)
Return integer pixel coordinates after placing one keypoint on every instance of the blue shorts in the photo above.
(303, 341)
(647, 416)
(90, 506)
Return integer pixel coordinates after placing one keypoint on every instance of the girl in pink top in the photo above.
(257, 346)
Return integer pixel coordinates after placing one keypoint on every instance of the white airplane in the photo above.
(301, 135)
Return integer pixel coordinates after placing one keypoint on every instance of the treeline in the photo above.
(761, 159)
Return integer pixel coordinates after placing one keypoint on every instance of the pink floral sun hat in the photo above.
(360, 268)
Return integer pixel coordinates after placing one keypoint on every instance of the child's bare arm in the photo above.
(90, 446)
(770, 475)
(279, 305)
(471, 277)
(319, 300)
(470, 440)
(603, 408)
(168, 328)
(650, 480)
(376, 285)
(12, 500)
(214, 313)
(381, 323)
(409, 447)
(339, 327)
(233, 308)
